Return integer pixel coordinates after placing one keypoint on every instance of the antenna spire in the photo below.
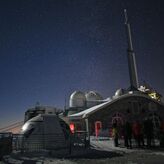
(126, 16)
(131, 55)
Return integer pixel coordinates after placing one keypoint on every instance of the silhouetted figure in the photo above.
(136, 128)
(162, 134)
(142, 134)
(148, 129)
(128, 134)
(115, 134)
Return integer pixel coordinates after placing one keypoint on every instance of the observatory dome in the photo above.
(92, 98)
(119, 92)
(77, 99)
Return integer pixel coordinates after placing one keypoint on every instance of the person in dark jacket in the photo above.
(128, 134)
(148, 130)
(142, 134)
(162, 134)
(136, 128)
(115, 134)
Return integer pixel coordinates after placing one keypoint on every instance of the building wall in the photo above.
(130, 109)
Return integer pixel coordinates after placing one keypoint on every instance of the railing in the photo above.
(5, 144)
(42, 142)
(80, 138)
(17, 142)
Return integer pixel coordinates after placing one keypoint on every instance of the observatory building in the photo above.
(39, 109)
(88, 112)
(80, 101)
(132, 104)
(129, 106)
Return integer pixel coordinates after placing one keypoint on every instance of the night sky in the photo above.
(50, 48)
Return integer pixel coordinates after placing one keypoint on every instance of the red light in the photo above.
(98, 126)
(72, 127)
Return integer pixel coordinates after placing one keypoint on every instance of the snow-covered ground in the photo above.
(101, 152)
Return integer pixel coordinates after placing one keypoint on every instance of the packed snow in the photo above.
(102, 151)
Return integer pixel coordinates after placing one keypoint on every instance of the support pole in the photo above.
(87, 132)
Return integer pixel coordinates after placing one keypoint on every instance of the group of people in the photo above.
(140, 131)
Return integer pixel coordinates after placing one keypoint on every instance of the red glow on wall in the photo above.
(72, 127)
(98, 126)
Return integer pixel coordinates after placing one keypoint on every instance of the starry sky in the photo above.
(50, 48)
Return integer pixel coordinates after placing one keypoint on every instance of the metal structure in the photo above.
(120, 92)
(38, 109)
(131, 56)
(77, 99)
(83, 100)
(92, 98)
(45, 131)
(5, 144)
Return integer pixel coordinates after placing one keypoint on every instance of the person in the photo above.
(136, 129)
(142, 134)
(115, 134)
(128, 134)
(162, 134)
(148, 129)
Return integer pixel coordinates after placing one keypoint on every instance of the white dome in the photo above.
(77, 99)
(119, 92)
(92, 98)
(91, 95)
